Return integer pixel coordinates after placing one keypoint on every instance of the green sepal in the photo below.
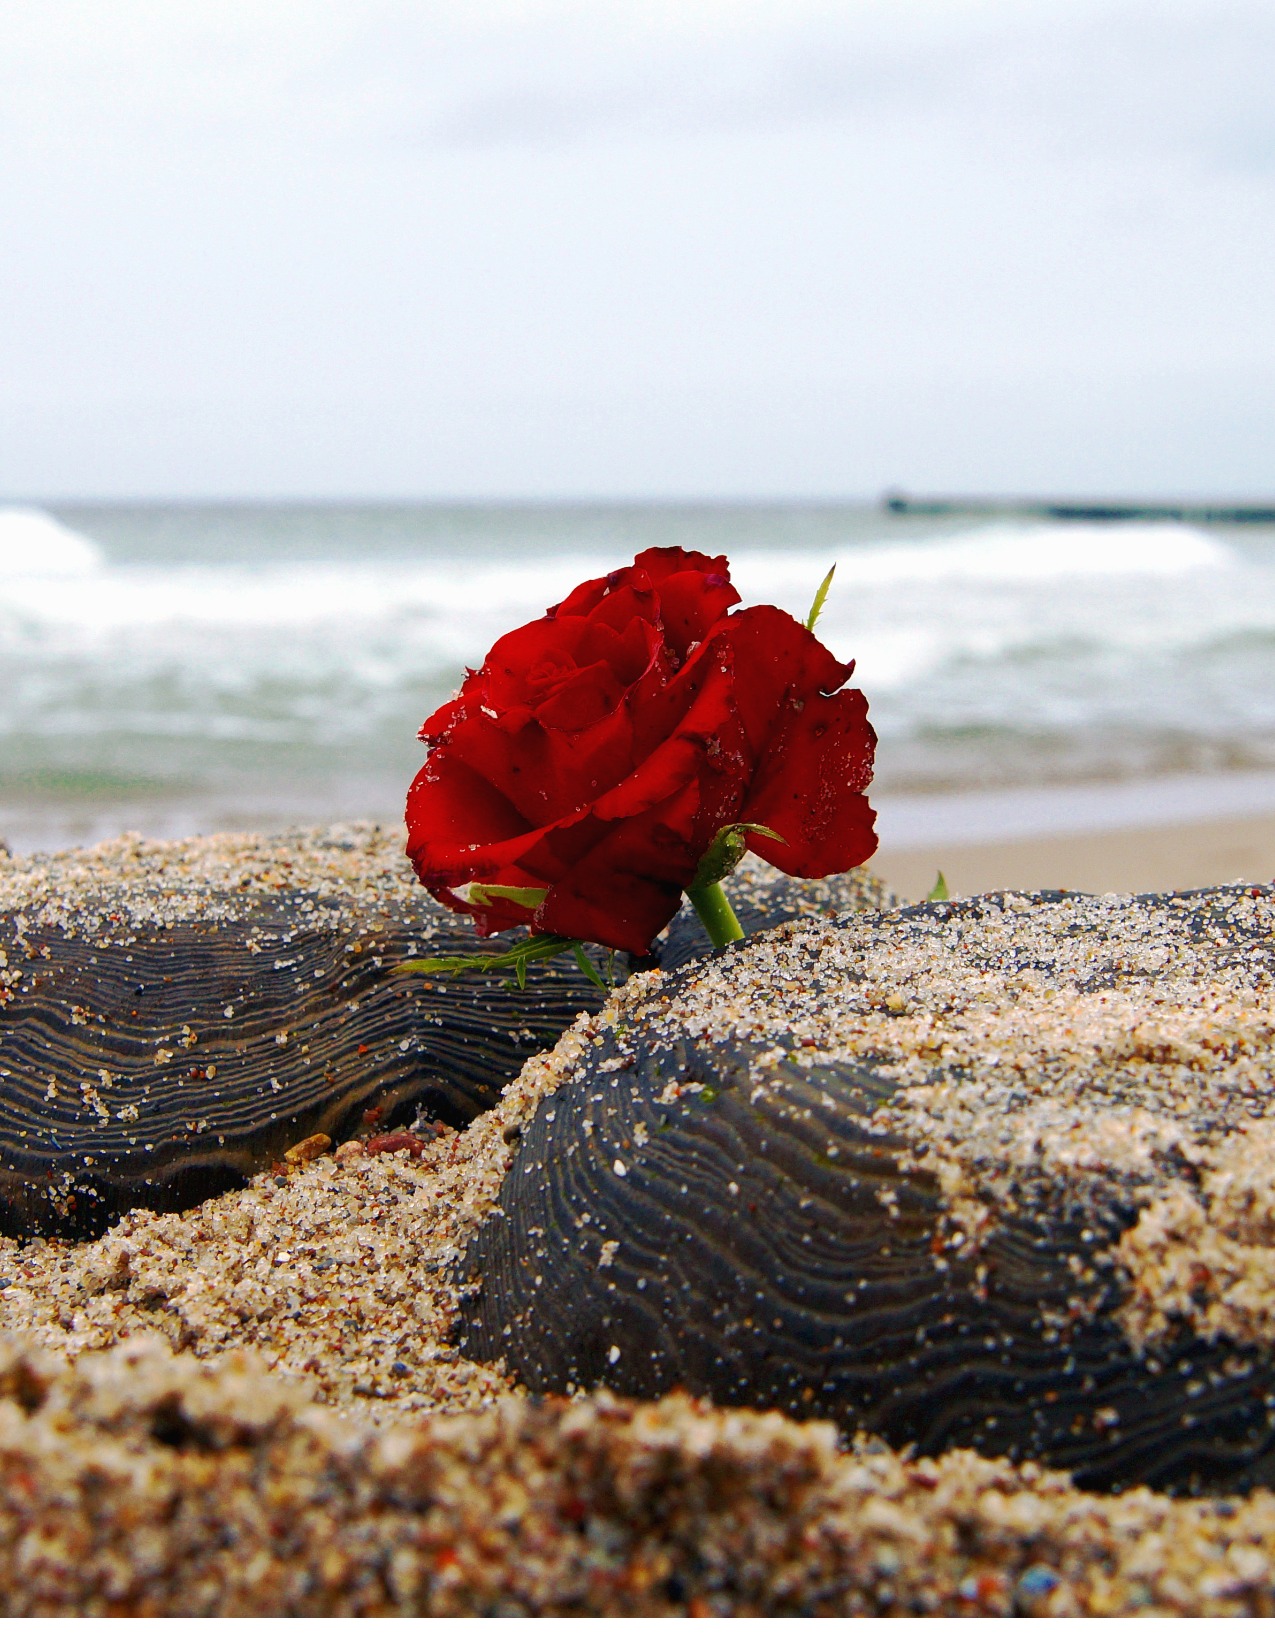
(939, 890)
(586, 967)
(483, 893)
(821, 596)
(724, 853)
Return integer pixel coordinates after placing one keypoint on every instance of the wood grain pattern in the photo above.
(156, 1067)
(692, 1220)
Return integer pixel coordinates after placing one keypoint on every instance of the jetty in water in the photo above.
(1240, 515)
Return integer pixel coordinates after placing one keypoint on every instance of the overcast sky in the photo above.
(711, 247)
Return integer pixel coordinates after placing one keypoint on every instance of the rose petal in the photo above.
(806, 785)
(581, 700)
(630, 651)
(691, 604)
(545, 773)
(586, 597)
(450, 802)
(620, 606)
(447, 716)
(774, 660)
(629, 886)
(701, 739)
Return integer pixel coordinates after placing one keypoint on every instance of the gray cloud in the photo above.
(1189, 76)
(351, 245)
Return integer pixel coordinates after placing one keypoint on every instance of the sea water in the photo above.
(178, 668)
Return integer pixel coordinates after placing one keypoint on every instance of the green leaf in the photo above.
(724, 853)
(821, 596)
(483, 893)
(939, 890)
(587, 969)
(533, 948)
(530, 949)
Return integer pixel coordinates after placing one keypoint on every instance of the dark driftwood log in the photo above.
(153, 1062)
(175, 1017)
(688, 1213)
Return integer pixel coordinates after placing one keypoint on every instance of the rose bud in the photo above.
(594, 757)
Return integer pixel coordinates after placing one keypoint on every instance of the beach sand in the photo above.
(1137, 860)
(256, 1407)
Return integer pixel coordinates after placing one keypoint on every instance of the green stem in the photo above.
(716, 915)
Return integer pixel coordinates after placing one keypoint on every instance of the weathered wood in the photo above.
(147, 1061)
(731, 1216)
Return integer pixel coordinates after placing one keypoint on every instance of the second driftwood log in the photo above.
(997, 1174)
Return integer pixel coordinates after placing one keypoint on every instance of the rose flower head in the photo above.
(581, 775)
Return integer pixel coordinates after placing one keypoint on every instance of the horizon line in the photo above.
(894, 500)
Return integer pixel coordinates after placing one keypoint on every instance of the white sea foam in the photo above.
(35, 546)
(1009, 652)
(906, 611)
(1042, 554)
(1008, 555)
(97, 599)
(57, 578)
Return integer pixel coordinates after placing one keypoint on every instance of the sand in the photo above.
(255, 1407)
(139, 1482)
(1144, 859)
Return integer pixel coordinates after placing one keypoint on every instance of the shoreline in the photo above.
(1083, 840)
(1175, 831)
(990, 814)
(1172, 831)
(1141, 859)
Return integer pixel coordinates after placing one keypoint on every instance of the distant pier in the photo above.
(1047, 509)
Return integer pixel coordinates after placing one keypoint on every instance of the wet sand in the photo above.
(1142, 859)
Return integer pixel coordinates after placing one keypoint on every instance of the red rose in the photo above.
(599, 750)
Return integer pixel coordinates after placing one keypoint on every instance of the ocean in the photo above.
(176, 668)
